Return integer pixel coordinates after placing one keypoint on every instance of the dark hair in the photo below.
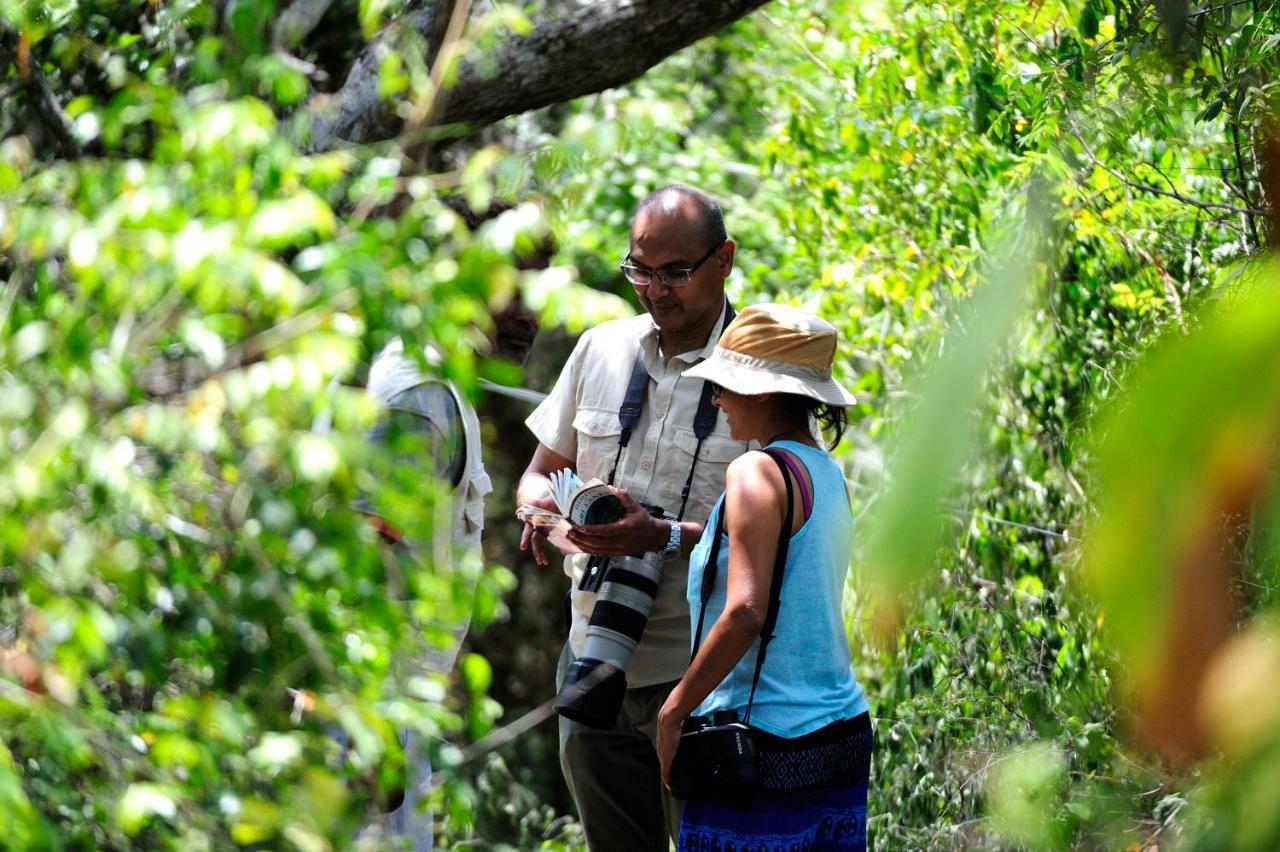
(712, 229)
(833, 420)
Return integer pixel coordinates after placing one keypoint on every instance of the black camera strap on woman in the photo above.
(712, 569)
(719, 755)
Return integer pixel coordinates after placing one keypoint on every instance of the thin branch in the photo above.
(10, 296)
(797, 41)
(1209, 10)
(253, 349)
(1244, 181)
(455, 13)
(1175, 195)
(500, 737)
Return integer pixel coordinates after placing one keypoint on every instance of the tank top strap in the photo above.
(795, 465)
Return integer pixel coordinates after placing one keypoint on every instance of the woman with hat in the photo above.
(773, 564)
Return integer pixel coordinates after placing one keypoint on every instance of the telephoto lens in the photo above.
(596, 682)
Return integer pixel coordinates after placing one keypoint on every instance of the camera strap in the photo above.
(712, 568)
(704, 421)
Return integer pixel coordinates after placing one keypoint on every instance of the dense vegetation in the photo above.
(1035, 225)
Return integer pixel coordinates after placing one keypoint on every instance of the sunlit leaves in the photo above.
(935, 440)
(292, 222)
(179, 337)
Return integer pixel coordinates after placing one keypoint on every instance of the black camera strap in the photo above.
(704, 421)
(712, 568)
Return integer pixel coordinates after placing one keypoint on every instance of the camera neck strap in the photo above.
(633, 404)
(712, 568)
(628, 416)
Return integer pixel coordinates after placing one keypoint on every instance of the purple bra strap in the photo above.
(806, 498)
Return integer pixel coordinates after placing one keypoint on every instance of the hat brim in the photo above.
(751, 381)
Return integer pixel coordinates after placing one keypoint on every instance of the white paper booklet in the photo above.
(580, 503)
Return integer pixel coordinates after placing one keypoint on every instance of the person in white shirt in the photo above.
(437, 410)
(679, 258)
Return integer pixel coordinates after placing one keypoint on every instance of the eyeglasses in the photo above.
(642, 276)
(716, 390)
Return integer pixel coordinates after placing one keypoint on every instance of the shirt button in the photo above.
(644, 465)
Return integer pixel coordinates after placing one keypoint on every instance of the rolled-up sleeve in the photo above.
(552, 421)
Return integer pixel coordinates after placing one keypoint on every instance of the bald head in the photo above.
(691, 207)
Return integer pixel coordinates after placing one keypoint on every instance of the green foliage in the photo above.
(194, 617)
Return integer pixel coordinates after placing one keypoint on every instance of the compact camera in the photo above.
(717, 754)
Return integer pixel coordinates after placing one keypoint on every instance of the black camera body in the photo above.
(717, 755)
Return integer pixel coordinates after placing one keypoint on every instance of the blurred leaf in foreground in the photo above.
(1180, 472)
(938, 436)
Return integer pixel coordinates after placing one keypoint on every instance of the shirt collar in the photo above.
(649, 341)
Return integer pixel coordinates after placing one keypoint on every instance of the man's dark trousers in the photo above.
(614, 775)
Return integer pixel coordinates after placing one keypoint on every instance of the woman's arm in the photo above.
(755, 499)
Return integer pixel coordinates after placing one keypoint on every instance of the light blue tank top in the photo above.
(807, 681)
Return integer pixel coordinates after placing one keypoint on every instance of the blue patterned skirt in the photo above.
(812, 797)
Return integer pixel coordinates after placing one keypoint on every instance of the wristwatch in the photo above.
(672, 550)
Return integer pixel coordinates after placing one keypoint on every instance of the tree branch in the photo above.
(589, 49)
(1155, 190)
(357, 111)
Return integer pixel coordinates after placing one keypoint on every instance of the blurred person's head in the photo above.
(514, 325)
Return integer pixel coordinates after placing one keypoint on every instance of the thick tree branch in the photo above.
(357, 111)
(592, 48)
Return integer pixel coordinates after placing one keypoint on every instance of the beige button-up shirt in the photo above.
(579, 420)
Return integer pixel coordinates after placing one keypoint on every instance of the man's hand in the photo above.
(533, 538)
(636, 532)
(532, 490)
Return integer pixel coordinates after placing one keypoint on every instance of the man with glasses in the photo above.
(679, 258)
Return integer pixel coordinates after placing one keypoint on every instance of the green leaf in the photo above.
(143, 802)
(32, 339)
(1212, 110)
(299, 220)
(477, 673)
(276, 751)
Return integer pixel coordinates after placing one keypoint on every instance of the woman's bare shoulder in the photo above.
(753, 474)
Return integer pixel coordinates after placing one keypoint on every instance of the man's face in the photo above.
(667, 237)
(514, 328)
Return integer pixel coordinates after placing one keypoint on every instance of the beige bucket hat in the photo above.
(776, 349)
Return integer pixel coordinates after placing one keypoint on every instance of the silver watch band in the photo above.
(672, 550)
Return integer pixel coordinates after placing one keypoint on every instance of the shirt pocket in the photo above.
(598, 432)
(714, 456)
(473, 503)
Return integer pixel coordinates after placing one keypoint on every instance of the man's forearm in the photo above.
(690, 534)
(532, 488)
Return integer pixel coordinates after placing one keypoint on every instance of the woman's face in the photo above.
(742, 412)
